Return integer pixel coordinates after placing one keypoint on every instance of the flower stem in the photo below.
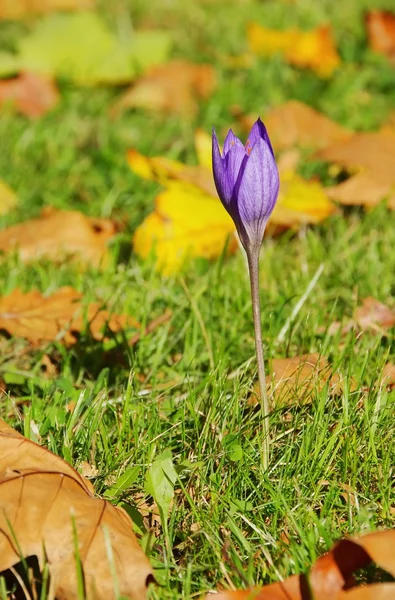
(253, 266)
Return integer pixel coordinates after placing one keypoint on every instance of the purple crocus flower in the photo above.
(247, 182)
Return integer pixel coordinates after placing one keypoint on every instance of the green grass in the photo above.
(231, 523)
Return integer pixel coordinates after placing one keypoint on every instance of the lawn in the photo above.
(185, 387)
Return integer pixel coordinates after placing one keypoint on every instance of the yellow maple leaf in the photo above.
(175, 233)
(300, 201)
(313, 49)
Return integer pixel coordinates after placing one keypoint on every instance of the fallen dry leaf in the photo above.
(374, 315)
(175, 87)
(60, 316)
(372, 156)
(42, 499)
(380, 26)
(8, 200)
(33, 95)
(57, 234)
(331, 576)
(297, 124)
(294, 380)
(388, 377)
(311, 49)
(17, 9)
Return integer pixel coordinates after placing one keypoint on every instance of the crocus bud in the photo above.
(247, 182)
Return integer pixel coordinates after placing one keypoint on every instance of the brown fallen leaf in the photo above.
(331, 576)
(56, 234)
(17, 9)
(297, 124)
(388, 377)
(60, 316)
(380, 25)
(33, 95)
(293, 380)
(175, 87)
(374, 315)
(371, 156)
(42, 499)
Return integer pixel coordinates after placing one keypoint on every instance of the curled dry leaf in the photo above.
(33, 95)
(371, 155)
(57, 234)
(294, 380)
(17, 9)
(311, 49)
(42, 499)
(60, 316)
(380, 26)
(331, 576)
(156, 90)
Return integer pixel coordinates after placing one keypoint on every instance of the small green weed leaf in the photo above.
(123, 483)
(81, 47)
(232, 447)
(160, 482)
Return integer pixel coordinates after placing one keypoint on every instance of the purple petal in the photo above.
(258, 132)
(257, 189)
(230, 141)
(221, 179)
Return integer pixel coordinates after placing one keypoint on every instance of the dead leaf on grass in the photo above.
(294, 380)
(60, 316)
(374, 315)
(8, 199)
(331, 576)
(175, 87)
(297, 124)
(380, 25)
(369, 157)
(313, 49)
(57, 234)
(41, 498)
(388, 377)
(32, 95)
(17, 9)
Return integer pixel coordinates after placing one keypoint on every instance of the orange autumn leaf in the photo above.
(60, 316)
(369, 157)
(297, 124)
(17, 9)
(331, 576)
(294, 380)
(33, 95)
(312, 49)
(175, 87)
(44, 504)
(58, 234)
(380, 26)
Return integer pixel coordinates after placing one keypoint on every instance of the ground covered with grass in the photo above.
(185, 387)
